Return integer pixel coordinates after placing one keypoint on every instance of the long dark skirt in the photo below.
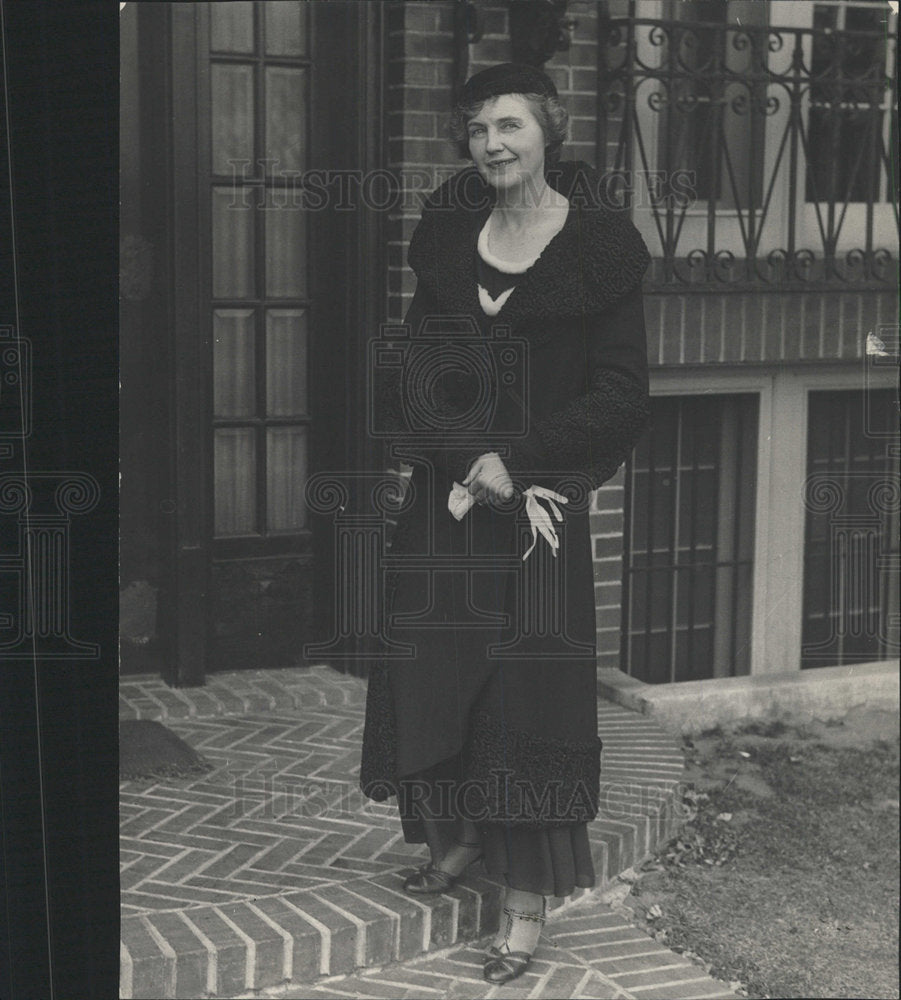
(497, 698)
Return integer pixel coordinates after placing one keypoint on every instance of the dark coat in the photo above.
(503, 670)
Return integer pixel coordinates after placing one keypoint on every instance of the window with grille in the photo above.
(713, 119)
(850, 104)
(851, 560)
(258, 133)
(688, 561)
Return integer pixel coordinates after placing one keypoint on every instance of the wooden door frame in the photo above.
(349, 249)
(191, 459)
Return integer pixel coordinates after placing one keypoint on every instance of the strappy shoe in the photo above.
(429, 880)
(502, 966)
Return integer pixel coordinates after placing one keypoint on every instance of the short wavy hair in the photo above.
(552, 117)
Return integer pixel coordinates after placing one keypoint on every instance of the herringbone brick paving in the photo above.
(587, 951)
(273, 868)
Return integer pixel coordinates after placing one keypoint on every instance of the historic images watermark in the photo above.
(405, 189)
(268, 793)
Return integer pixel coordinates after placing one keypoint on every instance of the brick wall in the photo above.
(710, 327)
(419, 70)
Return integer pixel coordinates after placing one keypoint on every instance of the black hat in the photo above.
(506, 78)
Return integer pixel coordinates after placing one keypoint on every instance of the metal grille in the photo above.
(690, 499)
(851, 556)
(754, 153)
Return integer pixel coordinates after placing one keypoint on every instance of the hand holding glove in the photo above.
(488, 479)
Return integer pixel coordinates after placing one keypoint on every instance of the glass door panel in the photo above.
(286, 463)
(231, 96)
(232, 245)
(234, 458)
(258, 127)
(286, 367)
(286, 119)
(286, 250)
(286, 29)
(233, 362)
(231, 26)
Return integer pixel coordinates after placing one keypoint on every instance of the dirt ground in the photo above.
(785, 877)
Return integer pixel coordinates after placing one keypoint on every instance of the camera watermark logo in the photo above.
(445, 381)
(436, 395)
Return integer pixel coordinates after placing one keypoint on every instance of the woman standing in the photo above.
(487, 734)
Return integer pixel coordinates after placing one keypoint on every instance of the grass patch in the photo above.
(786, 876)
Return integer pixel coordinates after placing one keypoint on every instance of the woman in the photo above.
(487, 731)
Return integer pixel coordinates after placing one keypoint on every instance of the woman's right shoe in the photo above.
(502, 966)
(429, 880)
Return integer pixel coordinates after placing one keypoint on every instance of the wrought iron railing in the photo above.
(753, 155)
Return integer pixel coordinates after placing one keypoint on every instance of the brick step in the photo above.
(586, 952)
(231, 887)
(337, 928)
(239, 692)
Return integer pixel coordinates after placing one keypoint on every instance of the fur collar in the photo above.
(596, 258)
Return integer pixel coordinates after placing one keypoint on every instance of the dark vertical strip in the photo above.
(673, 521)
(630, 116)
(692, 551)
(843, 613)
(58, 787)
(628, 569)
(740, 486)
(649, 546)
(603, 82)
(191, 346)
(808, 613)
(796, 93)
(715, 553)
(261, 219)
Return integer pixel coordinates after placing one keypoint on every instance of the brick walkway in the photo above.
(587, 951)
(273, 869)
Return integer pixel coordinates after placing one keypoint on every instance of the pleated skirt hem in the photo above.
(549, 860)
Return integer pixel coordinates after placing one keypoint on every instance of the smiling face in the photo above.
(507, 143)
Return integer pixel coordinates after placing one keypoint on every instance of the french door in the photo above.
(272, 303)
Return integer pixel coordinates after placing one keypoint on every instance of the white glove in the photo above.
(460, 500)
(539, 517)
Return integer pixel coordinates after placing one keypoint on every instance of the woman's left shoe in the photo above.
(429, 879)
(503, 965)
